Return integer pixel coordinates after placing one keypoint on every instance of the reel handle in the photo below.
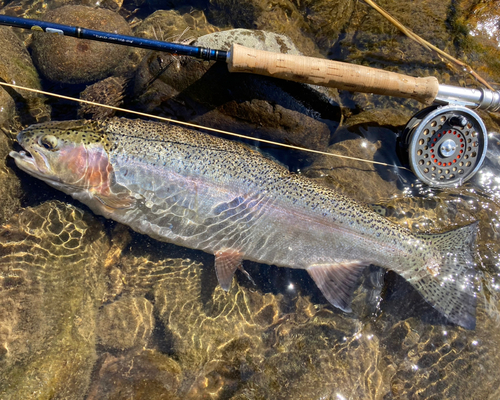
(340, 75)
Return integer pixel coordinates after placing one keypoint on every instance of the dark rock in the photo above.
(370, 136)
(35, 9)
(371, 40)
(109, 91)
(363, 181)
(171, 26)
(16, 107)
(71, 60)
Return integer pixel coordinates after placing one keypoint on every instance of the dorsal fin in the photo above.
(338, 281)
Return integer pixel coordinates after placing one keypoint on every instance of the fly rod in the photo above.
(444, 144)
(316, 71)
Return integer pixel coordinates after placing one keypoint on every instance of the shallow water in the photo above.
(91, 310)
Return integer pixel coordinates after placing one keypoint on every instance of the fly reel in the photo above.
(444, 145)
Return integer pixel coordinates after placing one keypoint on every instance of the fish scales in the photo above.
(196, 190)
(210, 179)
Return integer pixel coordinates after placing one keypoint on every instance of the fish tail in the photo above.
(449, 280)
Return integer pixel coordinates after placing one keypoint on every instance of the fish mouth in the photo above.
(24, 160)
(28, 163)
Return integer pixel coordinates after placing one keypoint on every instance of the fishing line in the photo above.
(289, 146)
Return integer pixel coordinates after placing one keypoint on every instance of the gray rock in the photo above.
(256, 39)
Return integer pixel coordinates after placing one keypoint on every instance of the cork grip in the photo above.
(340, 75)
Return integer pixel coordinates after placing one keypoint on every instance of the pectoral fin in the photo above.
(114, 201)
(337, 282)
(226, 263)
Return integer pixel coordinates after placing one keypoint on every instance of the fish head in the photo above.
(69, 155)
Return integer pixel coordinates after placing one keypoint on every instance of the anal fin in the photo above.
(226, 263)
(338, 281)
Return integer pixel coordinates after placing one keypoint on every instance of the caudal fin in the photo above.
(449, 286)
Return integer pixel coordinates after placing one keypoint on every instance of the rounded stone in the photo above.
(125, 324)
(71, 60)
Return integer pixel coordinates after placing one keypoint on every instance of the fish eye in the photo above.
(49, 142)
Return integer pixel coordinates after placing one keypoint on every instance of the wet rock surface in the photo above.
(364, 181)
(125, 324)
(298, 21)
(370, 135)
(147, 375)
(50, 289)
(245, 344)
(475, 22)
(70, 60)
(173, 26)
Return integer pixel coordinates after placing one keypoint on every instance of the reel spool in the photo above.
(444, 145)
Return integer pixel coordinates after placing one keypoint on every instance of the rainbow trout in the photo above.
(195, 190)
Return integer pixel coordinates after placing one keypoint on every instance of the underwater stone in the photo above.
(126, 323)
(70, 60)
(296, 20)
(50, 289)
(256, 39)
(172, 26)
(148, 375)
(363, 181)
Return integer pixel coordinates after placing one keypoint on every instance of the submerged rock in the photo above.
(126, 323)
(302, 22)
(50, 289)
(146, 375)
(476, 24)
(71, 60)
(370, 136)
(172, 26)
(246, 344)
(370, 39)
(363, 181)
